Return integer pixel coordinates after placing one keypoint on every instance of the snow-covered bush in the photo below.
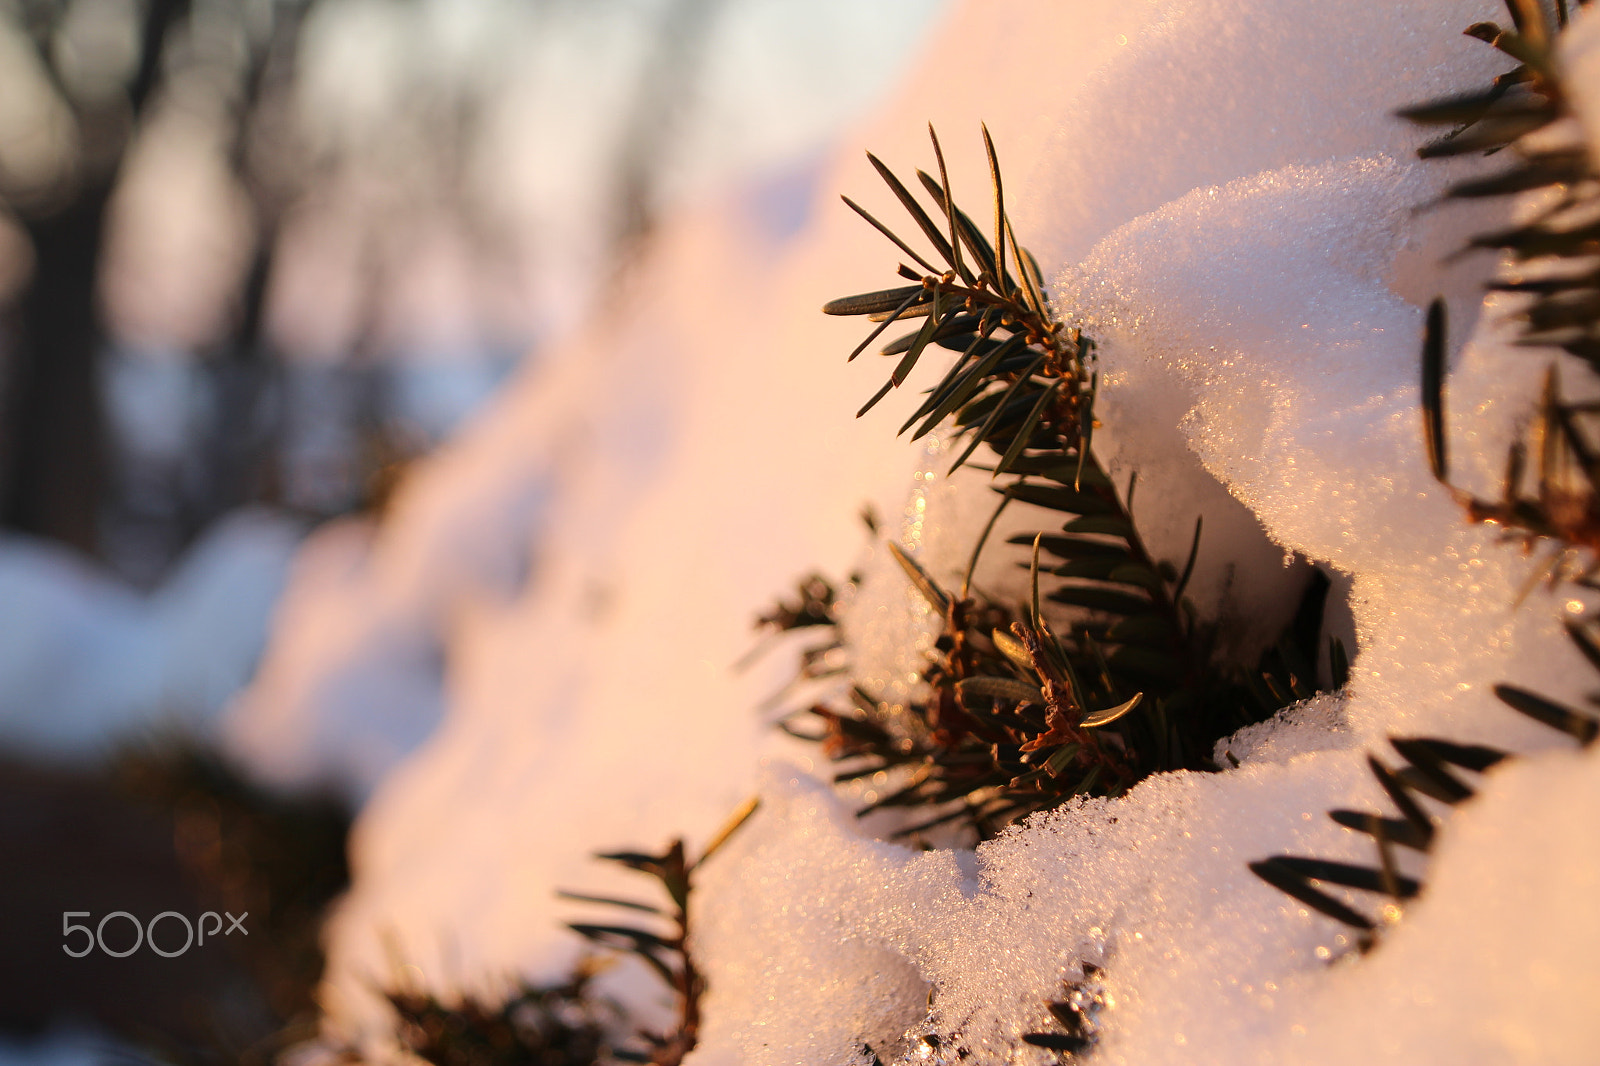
(1223, 200)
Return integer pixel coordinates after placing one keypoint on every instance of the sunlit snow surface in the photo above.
(1228, 207)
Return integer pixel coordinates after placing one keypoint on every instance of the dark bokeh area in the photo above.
(171, 828)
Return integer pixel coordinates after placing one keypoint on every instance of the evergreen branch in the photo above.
(1427, 771)
(1424, 773)
(668, 954)
(1017, 718)
(558, 1025)
(1563, 510)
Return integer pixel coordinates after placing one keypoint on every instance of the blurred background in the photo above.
(255, 257)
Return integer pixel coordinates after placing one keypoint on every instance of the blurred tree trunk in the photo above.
(52, 439)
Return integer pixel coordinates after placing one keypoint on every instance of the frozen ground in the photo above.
(1226, 205)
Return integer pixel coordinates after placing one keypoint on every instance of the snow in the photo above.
(385, 689)
(1225, 201)
(1187, 975)
(63, 1046)
(1295, 395)
(1519, 986)
(87, 662)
